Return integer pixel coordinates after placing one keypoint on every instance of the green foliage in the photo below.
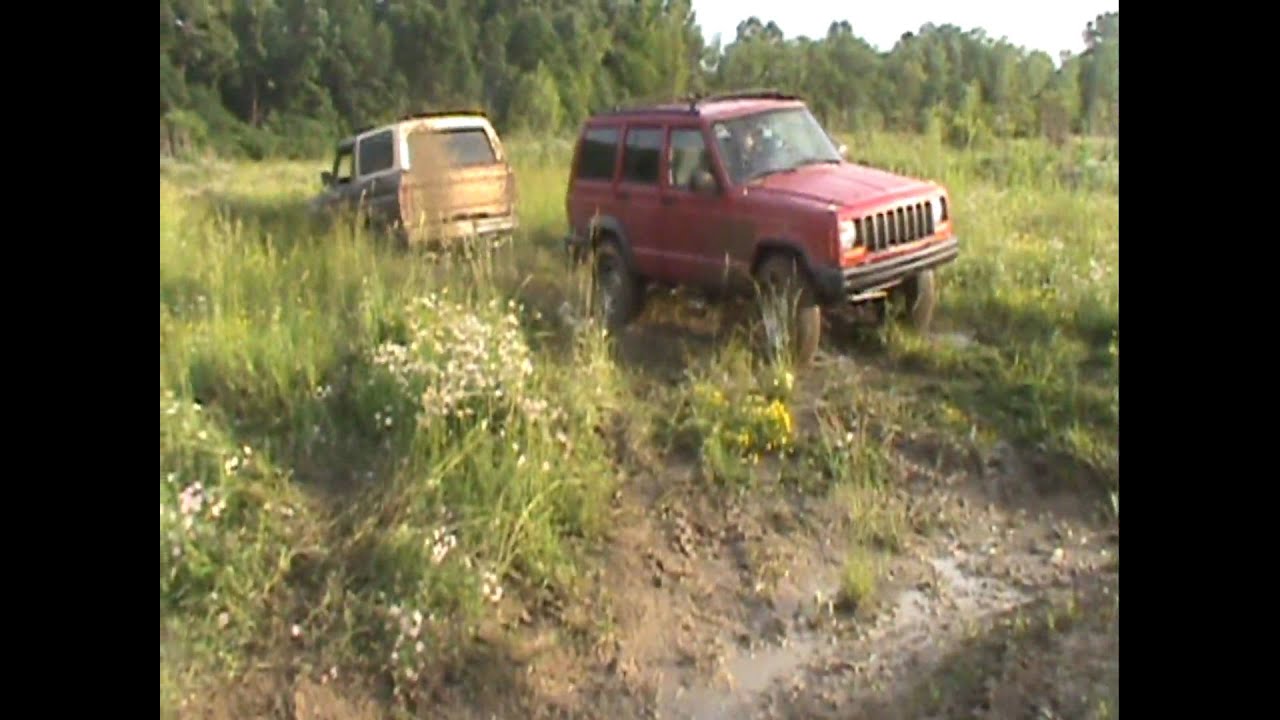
(535, 106)
(253, 69)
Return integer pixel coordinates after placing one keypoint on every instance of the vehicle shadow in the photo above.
(1005, 370)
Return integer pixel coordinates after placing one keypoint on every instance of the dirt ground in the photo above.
(726, 605)
(1002, 602)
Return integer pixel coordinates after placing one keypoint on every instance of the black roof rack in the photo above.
(651, 105)
(689, 104)
(442, 113)
(758, 94)
(651, 109)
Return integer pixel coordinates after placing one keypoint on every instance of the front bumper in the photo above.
(838, 284)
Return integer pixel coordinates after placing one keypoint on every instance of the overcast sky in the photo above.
(1048, 26)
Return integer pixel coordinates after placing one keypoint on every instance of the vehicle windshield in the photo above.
(773, 141)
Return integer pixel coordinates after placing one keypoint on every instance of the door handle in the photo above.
(624, 195)
(668, 200)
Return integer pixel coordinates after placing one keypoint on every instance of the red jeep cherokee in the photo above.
(723, 191)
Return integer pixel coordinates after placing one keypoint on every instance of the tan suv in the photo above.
(430, 177)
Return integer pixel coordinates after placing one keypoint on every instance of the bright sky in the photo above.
(1048, 26)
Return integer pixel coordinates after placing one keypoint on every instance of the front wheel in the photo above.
(792, 316)
(919, 294)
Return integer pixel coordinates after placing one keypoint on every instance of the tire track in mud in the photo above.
(921, 626)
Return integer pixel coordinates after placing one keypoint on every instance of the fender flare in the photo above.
(608, 224)
(768, 246)
(827, 282)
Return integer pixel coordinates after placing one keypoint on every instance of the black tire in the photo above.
(783, 274)
(616, 290)
(919, 294)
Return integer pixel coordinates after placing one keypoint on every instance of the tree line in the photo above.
(283, 77)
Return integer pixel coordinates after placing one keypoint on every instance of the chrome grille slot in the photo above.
(896, 226)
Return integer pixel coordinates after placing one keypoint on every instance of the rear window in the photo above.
(598, 154)
(469, 146)
(462, 147)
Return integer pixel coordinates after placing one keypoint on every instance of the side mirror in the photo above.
(326, 178)
(705, 183)
(844, 151)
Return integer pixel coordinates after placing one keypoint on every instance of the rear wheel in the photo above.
(792, 316)
(616, 288)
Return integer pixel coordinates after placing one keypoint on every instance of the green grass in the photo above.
(1037, 287)
(359, 508)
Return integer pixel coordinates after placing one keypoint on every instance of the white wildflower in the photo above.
(490, 588)
(442, 543)
(191, 499)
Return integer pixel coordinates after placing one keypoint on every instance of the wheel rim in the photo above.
(608, 286)
(776, 314)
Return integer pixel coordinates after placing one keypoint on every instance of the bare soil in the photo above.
(713, 603)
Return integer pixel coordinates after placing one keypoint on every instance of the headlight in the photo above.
(848, 234)
(939, 210)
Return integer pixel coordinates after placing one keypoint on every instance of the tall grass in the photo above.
(361, 451)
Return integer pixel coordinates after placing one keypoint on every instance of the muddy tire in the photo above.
(919, 296)
(616, 291)
(782, 276)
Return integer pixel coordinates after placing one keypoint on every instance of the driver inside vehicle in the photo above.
(760, 150)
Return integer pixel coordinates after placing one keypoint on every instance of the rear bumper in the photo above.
(839, 284)
(457, 230)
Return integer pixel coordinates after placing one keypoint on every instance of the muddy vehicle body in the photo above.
(738, 192)
(432, 177)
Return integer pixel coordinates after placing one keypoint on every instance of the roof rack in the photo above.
(689, 104)
(651, 105)
(442, 113)
(758, 94)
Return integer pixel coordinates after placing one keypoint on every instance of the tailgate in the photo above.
(454, 176)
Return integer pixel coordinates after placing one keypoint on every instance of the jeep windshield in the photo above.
(773, 141)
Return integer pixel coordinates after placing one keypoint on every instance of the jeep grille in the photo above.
(896, 226)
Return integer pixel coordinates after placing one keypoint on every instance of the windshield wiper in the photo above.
(818, 161)
(770, 171)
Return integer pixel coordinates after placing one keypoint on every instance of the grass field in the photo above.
(389, 481)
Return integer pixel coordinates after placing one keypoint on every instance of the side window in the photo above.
(376, 153)
(598, 155)
(641, 154)
(343, 166)
(687, 155)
